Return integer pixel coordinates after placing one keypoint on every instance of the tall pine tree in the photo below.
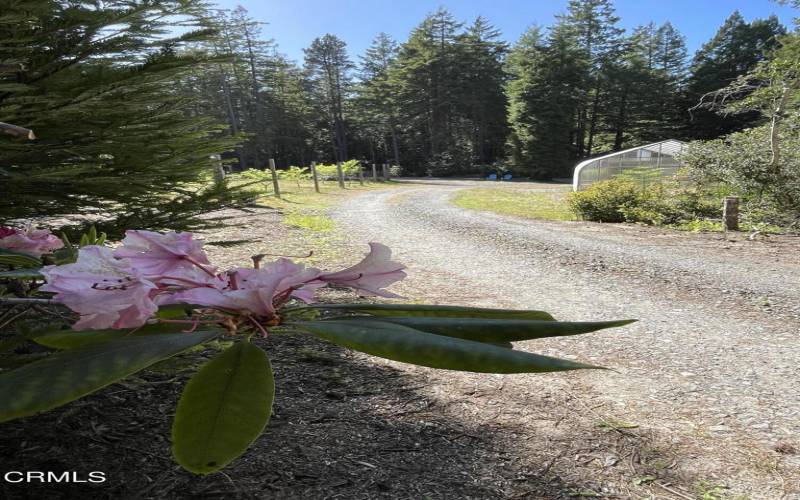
(329, 69)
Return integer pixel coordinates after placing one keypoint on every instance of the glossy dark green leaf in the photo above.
(17, 360)
(22, 274)
(70, 339)
(223, 409)
(400, 343)
(498, 330)
(437, 311)
(18, 259)
(69, 375)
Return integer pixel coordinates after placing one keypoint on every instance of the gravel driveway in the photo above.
(711, 369)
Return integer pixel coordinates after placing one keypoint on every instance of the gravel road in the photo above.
(711, 366)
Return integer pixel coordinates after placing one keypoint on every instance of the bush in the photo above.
(350, 168)
(664, 203)
(770, 194)
(671, 203)
(295, 174)
(603, 201)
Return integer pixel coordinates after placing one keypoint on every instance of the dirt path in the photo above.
(707, 381)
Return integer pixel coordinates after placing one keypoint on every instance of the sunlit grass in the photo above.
(317, 223)
(308, 212)
(550, 205)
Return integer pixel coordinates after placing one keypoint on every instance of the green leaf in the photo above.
(223, 409)
(177, 311)
(400, 343)
(17, 360)
(22, 274)
(497, 330)
(68, 375)
(71, 339)
(18, 259)
(437, 311)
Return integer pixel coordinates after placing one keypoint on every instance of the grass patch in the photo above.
(551, 205)
(317, 223)
(305, 209)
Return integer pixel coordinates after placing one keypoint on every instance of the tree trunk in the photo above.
(593, 120)
(395, 146)
(619, 134)
(774, 131)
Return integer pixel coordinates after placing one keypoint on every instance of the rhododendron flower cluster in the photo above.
(123, 288)
(30, 241)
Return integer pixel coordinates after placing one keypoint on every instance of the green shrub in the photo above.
(665, 203)
(295, 174)
(350, 168)
(671, 203)
(603, 201)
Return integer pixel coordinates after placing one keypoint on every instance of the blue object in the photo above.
(507, 177)
(492, 177)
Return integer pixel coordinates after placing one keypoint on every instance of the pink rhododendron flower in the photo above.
(34, 242)
(105, 291)
(371, 275)
(173, 254)
(256, 291)
(300, 282)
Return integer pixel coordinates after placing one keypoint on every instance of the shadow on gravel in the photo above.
(342, 427)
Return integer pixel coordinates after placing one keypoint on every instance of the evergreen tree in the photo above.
(288, 106)
(735, 49)
(424, 76)
(376, 104)
(481, 80)
(591, 25)
(100, 84)
(448, 84)
(646, 87)
(543, 104)
(329, 69)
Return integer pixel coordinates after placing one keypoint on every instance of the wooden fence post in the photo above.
(314, 175)
(374, 173)
(275, 184)
(219, 170)
(340, 174)
(384, 172)
(730, 213)
(361, 175)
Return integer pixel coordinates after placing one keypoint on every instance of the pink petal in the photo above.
(375, 272)
(154, 254)
(34, 242)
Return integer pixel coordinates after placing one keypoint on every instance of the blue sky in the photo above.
(294, 24)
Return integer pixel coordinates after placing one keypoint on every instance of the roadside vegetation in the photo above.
(549, 205)
(300, 205)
